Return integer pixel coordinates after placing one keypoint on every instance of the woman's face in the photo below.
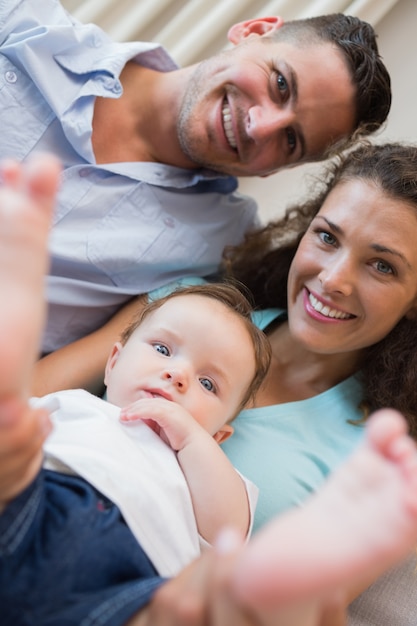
(354, 275)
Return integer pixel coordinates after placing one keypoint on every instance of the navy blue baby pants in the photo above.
(67, 558)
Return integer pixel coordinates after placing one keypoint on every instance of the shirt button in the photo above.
(170, 222)
(10, 76)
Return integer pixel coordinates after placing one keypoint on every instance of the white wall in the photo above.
(397, 38)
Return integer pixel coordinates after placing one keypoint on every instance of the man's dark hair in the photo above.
(356, 40)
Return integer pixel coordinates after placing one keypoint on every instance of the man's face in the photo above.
(265, 105)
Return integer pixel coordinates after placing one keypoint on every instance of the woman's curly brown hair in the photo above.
(262, 262)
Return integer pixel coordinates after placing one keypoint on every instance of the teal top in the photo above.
(288, 449)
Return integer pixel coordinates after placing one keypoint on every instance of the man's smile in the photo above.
(228, 126)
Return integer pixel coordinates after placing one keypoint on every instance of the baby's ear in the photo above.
(224, 433)
(112, 359)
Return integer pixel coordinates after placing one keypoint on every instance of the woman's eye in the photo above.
(159, 347)
(327, 238)
(207, 384)
(384, 268)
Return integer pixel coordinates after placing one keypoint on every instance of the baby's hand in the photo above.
(169, 420)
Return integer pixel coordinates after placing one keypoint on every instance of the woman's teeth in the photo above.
(326, 310)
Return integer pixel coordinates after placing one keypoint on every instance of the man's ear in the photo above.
(111, 361)
(258, 26)
(224, 433)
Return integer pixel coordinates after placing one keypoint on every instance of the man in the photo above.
(150, 151)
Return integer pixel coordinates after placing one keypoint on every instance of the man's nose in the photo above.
(265, 122)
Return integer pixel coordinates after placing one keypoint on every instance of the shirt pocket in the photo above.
(25, 114)
(140, 243)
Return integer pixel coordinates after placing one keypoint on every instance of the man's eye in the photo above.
(292, 139)
(207, 384)
(281, 82)
(159, 347)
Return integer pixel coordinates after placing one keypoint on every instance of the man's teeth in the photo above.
(227, 125)
(326, 310)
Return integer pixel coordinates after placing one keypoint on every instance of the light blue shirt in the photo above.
(119, 229)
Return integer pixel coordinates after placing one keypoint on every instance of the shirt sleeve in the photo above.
(252, 493)
(18, 17)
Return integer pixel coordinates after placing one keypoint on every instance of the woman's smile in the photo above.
(321, 310)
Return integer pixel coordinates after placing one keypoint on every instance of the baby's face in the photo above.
(194, 351)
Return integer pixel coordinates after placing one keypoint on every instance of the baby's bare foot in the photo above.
(358, 525)
(27, 196)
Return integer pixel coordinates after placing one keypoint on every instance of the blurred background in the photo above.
(191, 30)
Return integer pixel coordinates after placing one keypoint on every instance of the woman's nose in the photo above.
(336, 278)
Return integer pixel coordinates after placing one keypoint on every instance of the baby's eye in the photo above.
(160, 347)
(207, 384)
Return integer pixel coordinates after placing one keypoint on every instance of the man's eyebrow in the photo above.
(292, 78)
(293, 82)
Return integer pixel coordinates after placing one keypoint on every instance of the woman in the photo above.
(341, 266)
(342, 271)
